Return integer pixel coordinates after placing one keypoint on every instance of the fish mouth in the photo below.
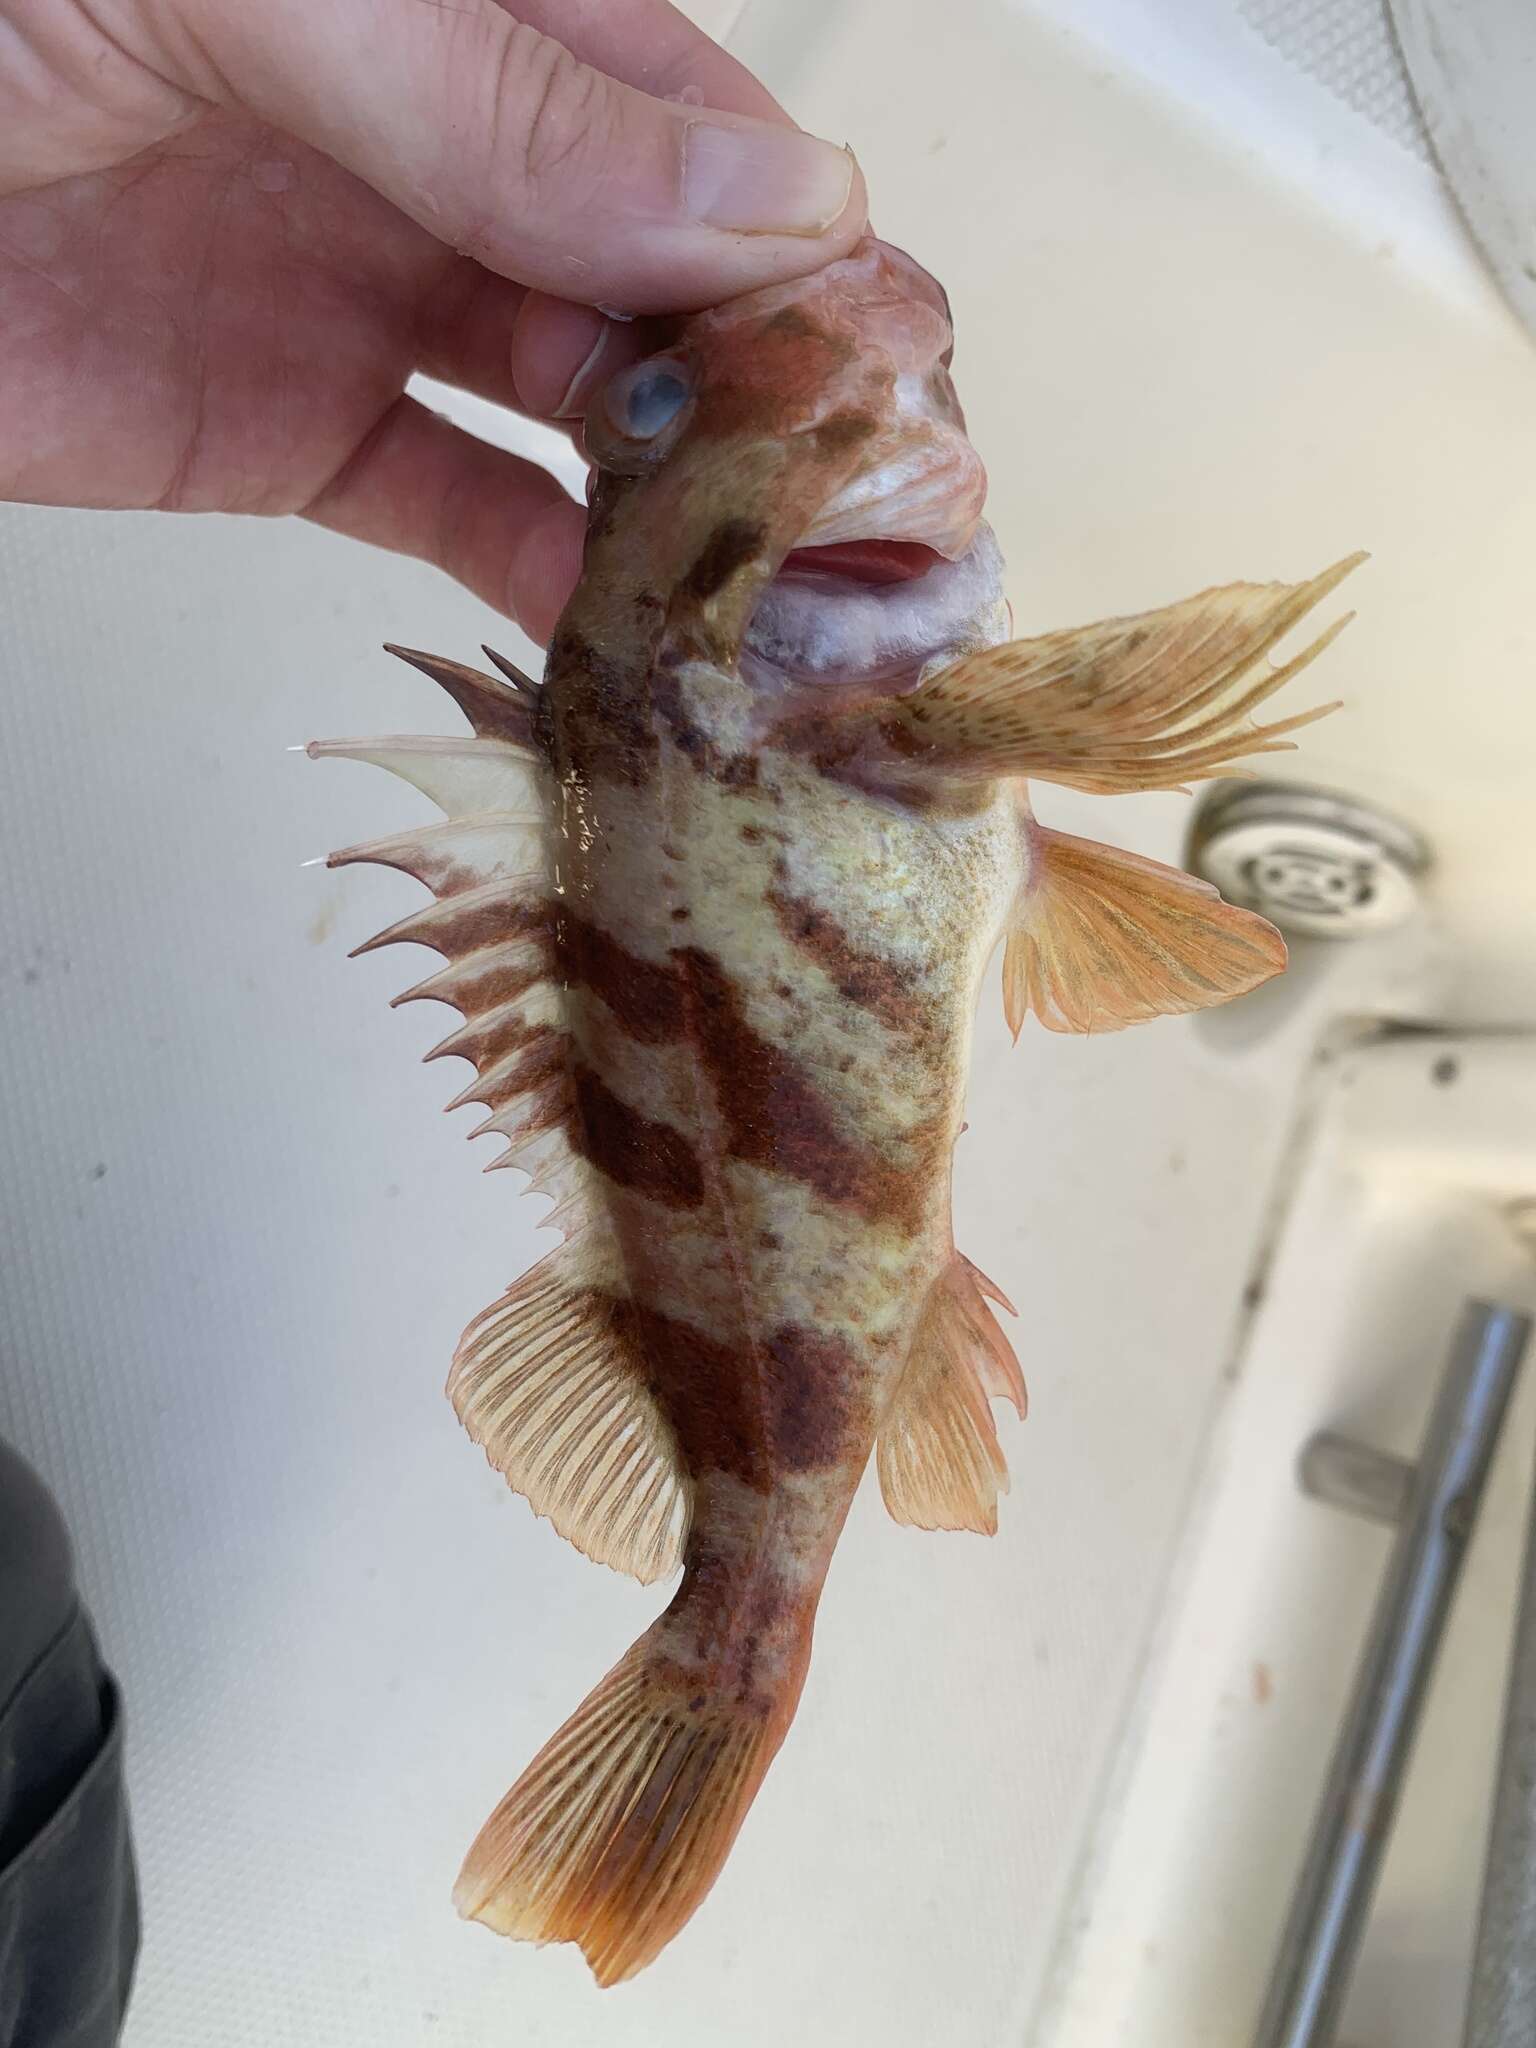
(874, 611)
(871, 563)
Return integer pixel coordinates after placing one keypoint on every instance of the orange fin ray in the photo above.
(549, 1384)
(938, 1457)
(1105, 938)
(1146, 702)
(616, 1831)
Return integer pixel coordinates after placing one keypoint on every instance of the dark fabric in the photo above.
(68, 1900)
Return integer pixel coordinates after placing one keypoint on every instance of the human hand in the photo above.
(229, 234)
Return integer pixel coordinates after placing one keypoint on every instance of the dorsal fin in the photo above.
(487, 865)
(549, 1382)
(510, 670)
(548, 1379)
(494, 711)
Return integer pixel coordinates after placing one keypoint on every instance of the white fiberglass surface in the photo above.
(1417, 1148)
(241, 1240)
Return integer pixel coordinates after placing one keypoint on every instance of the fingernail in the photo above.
(762, 180)
(579, 390)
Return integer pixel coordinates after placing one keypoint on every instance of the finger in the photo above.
(502, 527)
(522, 349)
(650, 44)
(562, 352)
(465, 326)
(499, 141)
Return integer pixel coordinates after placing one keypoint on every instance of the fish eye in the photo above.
(641, 402)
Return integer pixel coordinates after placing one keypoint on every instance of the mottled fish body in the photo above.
(715, 902)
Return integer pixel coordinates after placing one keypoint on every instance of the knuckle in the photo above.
(551, 111)
(539, 124)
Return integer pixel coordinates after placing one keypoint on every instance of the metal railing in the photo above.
(1435, 1504)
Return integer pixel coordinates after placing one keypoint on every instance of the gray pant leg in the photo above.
(68, 1900)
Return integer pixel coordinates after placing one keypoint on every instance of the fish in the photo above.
(715, 899)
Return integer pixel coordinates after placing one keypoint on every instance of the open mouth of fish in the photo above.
(876, 610)
(897, 569)
(873, 563)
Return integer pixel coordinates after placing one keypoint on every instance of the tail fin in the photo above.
(620, 1825)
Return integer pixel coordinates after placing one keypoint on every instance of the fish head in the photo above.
(791, 486)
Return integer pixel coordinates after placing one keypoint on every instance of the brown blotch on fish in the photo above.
(610, 491)
(645, 996)
(871, 980)
(813, 1407)
(606, 709)
(746, 1621)
(633, 1150)
(700, 1387)
(842, 432)
(732, 545)
(777, 1119)
(795, 1412)
(790, 321)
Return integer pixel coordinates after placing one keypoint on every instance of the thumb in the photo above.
(503, 143)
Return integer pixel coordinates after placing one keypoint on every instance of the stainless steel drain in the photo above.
(1310, 859)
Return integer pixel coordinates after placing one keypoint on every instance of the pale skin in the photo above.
(229, 235)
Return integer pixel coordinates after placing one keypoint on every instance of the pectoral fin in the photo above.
(1147, 702)
(1103, 939)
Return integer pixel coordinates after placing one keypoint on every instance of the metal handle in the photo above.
(1322, 1936)
(1502, 2012)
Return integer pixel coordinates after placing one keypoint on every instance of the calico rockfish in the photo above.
(716, 899)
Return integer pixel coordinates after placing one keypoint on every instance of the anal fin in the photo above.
(938, 1457)
(1104, 938)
